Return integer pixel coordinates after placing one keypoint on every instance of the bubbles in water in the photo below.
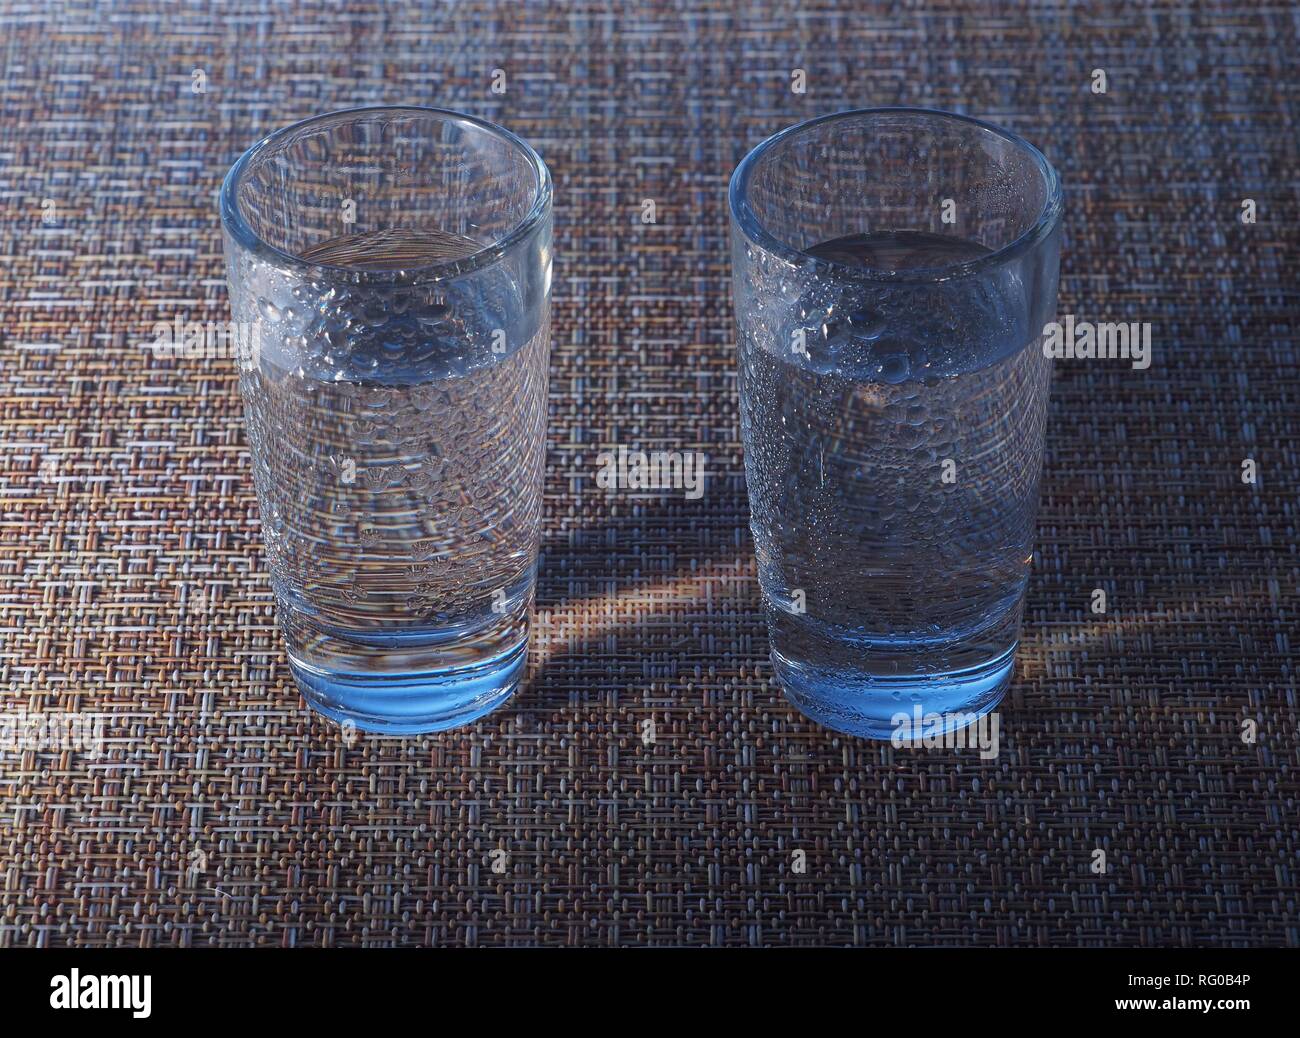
(846, 444)
(896, 331)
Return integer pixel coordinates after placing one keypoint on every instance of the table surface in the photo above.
(133, 586)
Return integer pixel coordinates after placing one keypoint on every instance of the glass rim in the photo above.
(1048, 218)
(440, 270)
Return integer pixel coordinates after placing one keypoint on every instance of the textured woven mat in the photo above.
(133, 587)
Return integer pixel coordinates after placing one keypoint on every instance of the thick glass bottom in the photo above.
(414, 701)
(857, 701)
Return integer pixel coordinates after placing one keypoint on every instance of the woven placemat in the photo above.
(133, 588)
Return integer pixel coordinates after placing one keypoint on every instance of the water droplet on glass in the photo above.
(895, 368)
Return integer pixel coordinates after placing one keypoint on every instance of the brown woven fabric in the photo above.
(133, 586)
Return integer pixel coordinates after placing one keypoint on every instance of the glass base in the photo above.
(412, 703)
(870, 706)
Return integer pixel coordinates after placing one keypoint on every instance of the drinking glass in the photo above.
(892, 273)
(389, 273)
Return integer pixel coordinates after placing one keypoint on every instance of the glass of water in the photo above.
(389, 273)
(892, 272)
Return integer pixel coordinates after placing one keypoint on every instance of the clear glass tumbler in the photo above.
(389, 273)
(892, 272)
